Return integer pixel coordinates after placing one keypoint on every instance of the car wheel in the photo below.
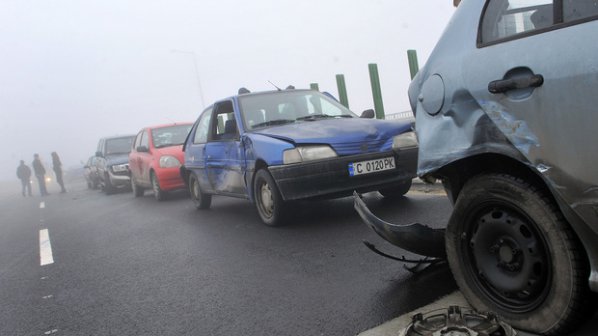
(201, 200)
(109, 189)
(137, 190)
(512, 252)
(159, 194)
(268, 201)
(396, 191)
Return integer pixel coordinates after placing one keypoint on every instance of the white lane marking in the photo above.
(45, 248)
(47, 297)
(42, 205)
(50, 332)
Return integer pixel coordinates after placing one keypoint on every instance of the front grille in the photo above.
(362, 147)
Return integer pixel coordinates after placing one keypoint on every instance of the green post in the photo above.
(314, 86)
(413, 65)
(342, 90)
(376, 90)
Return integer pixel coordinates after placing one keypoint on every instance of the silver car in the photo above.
(506, 116)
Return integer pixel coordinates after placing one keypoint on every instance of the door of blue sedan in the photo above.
(223, 152)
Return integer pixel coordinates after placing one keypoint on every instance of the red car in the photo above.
(156, 157)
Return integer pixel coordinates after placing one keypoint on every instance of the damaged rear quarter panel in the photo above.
(551, 130)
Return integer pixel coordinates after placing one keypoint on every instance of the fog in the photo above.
(74, 71)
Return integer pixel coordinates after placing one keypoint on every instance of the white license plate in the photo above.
(371, 166)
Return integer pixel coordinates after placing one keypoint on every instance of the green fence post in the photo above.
(314, 86)
(376, 90)
(342, 90)
(413, 65)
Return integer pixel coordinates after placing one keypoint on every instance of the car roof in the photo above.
(258, 93)
(169, 125)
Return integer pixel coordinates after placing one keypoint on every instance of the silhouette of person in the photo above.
(40, 174)
(24, 174)
(57, 166)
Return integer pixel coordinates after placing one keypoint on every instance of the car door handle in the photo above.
(504, 85)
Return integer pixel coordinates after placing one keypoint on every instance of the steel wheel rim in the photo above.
(507, 256)
(195, 190)
(266, 199)
(155, 185)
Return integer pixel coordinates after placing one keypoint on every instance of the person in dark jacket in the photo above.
(57, 166)
(40, 173)
(24, 174)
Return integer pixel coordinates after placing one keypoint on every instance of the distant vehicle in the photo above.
(280, 146)
(112, 162)
(506, 115)
(91, 173)
(156, 158)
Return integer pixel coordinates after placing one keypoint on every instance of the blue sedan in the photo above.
(280, 146)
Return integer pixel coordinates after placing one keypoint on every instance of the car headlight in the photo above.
(120, 168)
(168, 161)
(307, 153)
(405, 141)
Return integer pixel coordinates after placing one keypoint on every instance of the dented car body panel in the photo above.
(238, 136)
(544, 130)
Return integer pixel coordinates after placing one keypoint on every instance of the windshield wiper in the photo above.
(274, 122)
(315, 117)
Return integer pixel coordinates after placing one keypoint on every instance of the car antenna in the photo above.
(277, 88)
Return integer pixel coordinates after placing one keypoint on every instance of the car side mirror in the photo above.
(369, 114)
(99, 154)
(142, 149)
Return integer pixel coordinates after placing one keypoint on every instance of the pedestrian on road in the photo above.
(24, 174)
(40, 173)
(57, 166)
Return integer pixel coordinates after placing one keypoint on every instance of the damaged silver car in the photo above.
(506, 113)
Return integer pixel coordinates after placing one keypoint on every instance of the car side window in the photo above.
(224, 125)
(144, 140)
(203, 126)
(574, 10)
(137, 141)
(506, 18)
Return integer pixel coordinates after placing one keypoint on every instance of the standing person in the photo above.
(40, 173)
(24, 174)
(57, 166)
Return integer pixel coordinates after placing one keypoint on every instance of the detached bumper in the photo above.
(330, 178)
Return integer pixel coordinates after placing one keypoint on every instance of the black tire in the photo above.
(396, 191)
(109, 189)
(268, 201)
(512, 252)
(137, 190)
(159, 194)
(201, 200)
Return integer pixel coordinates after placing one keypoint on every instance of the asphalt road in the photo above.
(127, 266)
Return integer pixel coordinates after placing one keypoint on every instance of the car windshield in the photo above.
(119, 145)
(285, 107)
(170, 136)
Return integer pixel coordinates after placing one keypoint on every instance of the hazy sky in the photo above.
(74, 71)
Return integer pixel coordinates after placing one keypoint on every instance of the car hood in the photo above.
(346, 136)
(120, 158)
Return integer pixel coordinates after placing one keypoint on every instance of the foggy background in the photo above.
(74, 71)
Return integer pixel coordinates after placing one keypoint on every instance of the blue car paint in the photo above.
(233, 162)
